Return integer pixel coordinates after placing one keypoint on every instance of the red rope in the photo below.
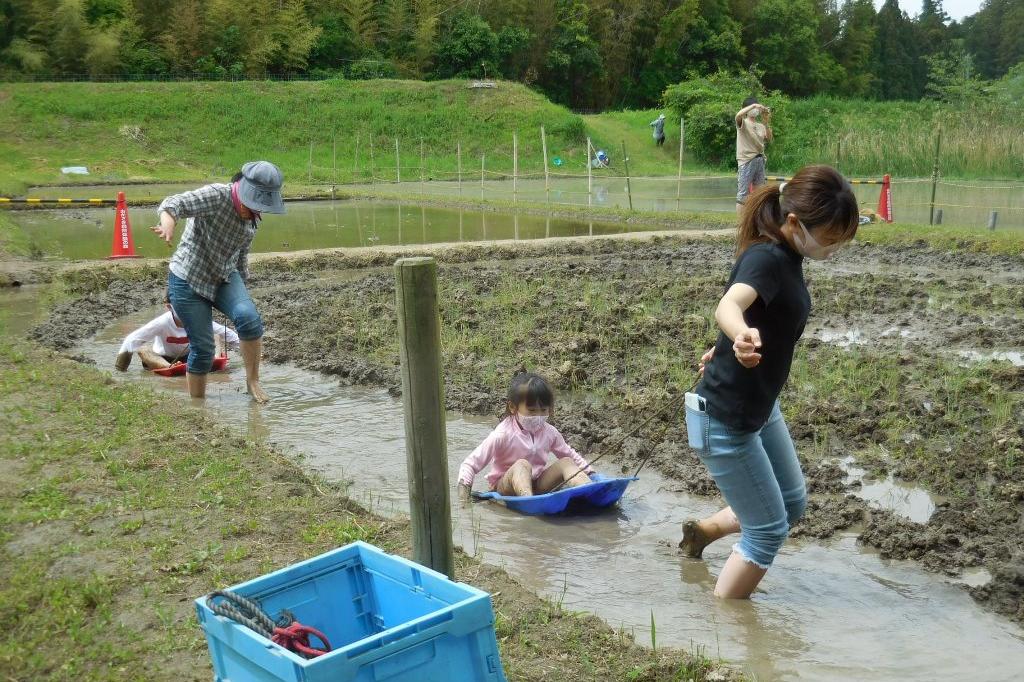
(295, 638)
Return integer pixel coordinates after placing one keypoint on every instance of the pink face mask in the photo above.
(238, 202)
(532, 424)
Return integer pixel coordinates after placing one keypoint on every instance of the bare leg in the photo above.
(218, 345)
(196, 384)
(517, 481)
(252, 352)
(151, 360)
(561, 470)
(699, 534)
(738, 578)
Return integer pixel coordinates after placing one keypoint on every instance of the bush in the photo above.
(709, 105)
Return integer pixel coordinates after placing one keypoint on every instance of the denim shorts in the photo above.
(759, 476)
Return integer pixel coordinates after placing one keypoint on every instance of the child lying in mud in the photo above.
(733, 419)
(517, 449)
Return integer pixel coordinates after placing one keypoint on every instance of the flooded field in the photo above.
(84, 233)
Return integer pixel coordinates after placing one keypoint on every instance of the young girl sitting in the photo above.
(517, 448)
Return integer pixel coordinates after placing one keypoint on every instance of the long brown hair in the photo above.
(818, 195)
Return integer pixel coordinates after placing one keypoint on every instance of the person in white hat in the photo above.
(211, 265)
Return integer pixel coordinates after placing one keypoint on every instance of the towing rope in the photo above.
(286, 631)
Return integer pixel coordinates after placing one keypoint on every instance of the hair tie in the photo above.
(782, 187)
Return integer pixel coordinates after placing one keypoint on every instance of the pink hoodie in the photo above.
(508, 443)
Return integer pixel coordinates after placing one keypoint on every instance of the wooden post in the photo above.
(398, 164)
(355, 160)
(590, 174)
(935, 175)
(482, 162)
(426, 447)
(373, 178)
(547, 182)
(422, 164)
(629, 190)
(515, 169)
(992, 218)
(679, 173)
(458, 157)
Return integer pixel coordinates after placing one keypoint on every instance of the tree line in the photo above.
(586, 54)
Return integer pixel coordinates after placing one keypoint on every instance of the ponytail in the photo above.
(762, 218)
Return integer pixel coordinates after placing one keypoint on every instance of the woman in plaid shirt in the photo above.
(211, 265)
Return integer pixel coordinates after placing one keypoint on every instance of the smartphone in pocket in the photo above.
(698, 424)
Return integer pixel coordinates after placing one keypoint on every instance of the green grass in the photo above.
(13, 240)
(200, 131)
(1008, 242)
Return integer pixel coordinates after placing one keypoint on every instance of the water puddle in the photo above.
(856, 336)
(1014, 357)
(831, 610)
(86, 233)
(909, 501)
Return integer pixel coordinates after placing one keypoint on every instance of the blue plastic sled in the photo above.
(601, 492)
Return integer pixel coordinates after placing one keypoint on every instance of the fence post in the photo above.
(935, 175)
(992, 218)
(515, 170)
(679, 173)
(547, 184)
(419, 338)
(458, 157)
(629, 190)
(422, 163)
(373, 178)
(590, 175)
(355, 160)
(398, 164)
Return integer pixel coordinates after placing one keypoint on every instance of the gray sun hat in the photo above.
(260, 187)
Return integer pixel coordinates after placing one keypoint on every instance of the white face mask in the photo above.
(532, 424)
(807, 246)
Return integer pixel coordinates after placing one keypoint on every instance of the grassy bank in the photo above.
(196, 131)
(112, 517)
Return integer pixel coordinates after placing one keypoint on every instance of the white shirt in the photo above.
(169, 339)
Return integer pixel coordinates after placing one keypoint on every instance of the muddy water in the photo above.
(827, 611)
(82, 233)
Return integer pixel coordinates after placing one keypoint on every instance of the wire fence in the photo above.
(576, 178)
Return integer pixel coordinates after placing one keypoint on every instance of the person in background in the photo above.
(751, 137)
(659, 129)
(211, 265)
(169, 341)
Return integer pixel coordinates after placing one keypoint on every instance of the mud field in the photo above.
(906, 369)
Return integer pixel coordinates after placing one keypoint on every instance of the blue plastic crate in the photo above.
(386, 617)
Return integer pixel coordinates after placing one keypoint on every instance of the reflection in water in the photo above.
(827, 611)
(84, 233)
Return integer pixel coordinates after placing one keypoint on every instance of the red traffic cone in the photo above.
(885, 199)
(123, 246)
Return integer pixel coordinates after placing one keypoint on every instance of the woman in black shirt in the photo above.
(733, 420)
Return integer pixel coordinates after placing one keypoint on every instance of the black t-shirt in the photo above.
(743, 398)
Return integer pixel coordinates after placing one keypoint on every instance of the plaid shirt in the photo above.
(216, 240)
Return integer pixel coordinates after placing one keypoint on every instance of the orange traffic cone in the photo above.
(123, 246)
(885, 199)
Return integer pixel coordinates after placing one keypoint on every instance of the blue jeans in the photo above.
(759, 476)
(196, 314)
